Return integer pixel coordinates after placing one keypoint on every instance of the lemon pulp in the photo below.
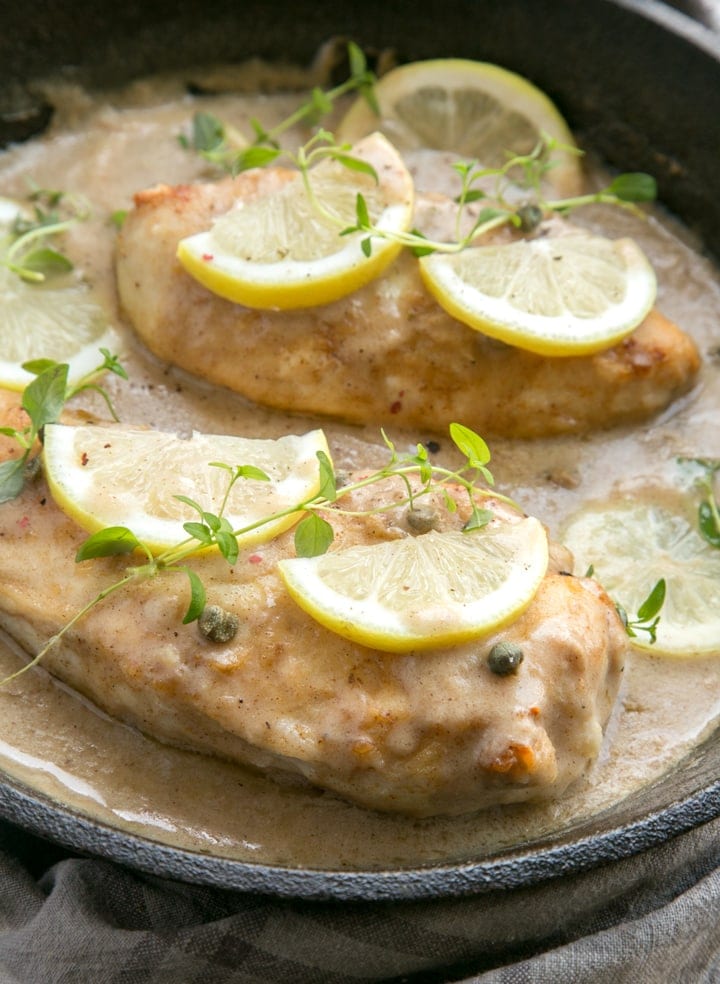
(630, 545)
(283, 251)
(572, 294)
(427, 591)
(117, 476)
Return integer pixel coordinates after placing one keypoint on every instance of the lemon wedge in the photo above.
(282, 251)
(437, 589)
(44, 321)
(570, 294)
(109, 476)
(630, 545)
(474, 109)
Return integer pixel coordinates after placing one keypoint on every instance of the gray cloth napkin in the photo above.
(649, 919)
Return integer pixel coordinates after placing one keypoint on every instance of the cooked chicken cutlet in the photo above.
(425, 733)
(388, 352)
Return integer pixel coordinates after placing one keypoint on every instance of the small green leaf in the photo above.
(313, 536)
(471, 195)
(118, 217)
(213, 521)
(635, 187)
(478, 519)
(36, 366)
(357, 164)
(357, 60)
(44, 398)
(190, 502)
(197, 598)
(46, 261)
(254, 157)
(362, 213)
(707, 523)
(208, 132)
(488, 215)
(112, 363)
(366, 247)
(653, 603)
(328, 481)
(471, 445)
(199, 532)
(110, 542)
(12, 478)
(227, 545)
(251, 471)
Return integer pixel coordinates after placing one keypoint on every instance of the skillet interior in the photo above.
(639, 82)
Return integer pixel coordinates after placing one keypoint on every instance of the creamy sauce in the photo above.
(57, 743)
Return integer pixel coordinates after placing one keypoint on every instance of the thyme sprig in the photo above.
(228, 149)
(26, 248)
(313, 533)
(647, 618)
(625, 191)
(43, 400)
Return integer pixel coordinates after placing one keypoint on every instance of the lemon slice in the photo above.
(437, 589)
(566, 295)
(474, 109)
(631, 545)
(39, 321)
(110, 476)
(280, 251)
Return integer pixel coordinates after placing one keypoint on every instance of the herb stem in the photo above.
(132, 575)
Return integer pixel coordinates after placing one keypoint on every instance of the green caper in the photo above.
(421, 519)
(32, 469)
(217, 625)
(530, 217)
(504, 658)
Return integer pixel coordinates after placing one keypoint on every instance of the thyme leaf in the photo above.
(648, 614)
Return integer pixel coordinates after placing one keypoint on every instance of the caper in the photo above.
(530, 217)
(421, 519)
(217, 624)
(32, 469)
(504, 658)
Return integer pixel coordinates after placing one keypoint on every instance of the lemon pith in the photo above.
(279, 252)
(423, 592)
(100, 476)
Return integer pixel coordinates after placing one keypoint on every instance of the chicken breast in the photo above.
(422, 733)
(385, 353)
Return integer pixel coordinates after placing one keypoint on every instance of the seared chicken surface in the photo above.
(388, 352)
(424, 733)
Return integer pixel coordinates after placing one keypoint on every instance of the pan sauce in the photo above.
(57, 743)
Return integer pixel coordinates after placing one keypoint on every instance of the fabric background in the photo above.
(650, 919)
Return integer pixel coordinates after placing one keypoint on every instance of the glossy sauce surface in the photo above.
(57, 743)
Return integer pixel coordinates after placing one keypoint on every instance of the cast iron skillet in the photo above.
(640, 84)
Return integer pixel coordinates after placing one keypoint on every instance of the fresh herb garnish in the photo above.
(647, 618)
(228, 149)
(26, 249)
(313, 534)
(43, 401)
